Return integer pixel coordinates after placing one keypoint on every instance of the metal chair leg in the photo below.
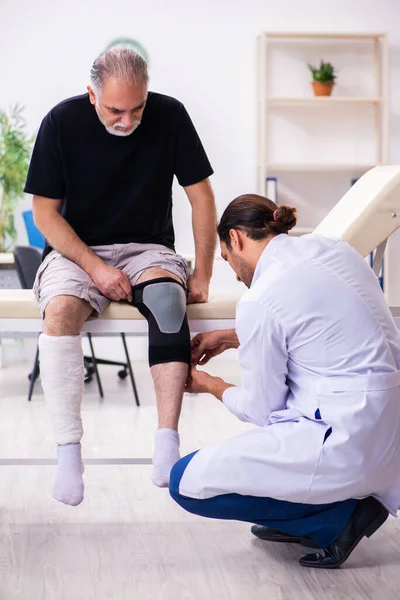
(130, 369)
(34, 374)
(95, 365)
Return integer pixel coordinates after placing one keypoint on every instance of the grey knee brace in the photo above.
(163, 303)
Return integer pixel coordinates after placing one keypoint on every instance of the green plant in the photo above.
(325, 72)
(15, 150)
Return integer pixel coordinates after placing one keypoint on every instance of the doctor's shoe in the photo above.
(368, 516)
(274, 535)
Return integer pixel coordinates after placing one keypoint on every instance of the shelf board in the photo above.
(317, 167)
(327, 35)
(322, 100)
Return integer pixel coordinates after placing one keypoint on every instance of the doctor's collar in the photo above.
(267, 253)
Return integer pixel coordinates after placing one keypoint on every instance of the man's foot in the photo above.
(68, 485)
(274, 535)
(368, 516)
(166, 454)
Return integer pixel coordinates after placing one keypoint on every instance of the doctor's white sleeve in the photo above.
(263, 361)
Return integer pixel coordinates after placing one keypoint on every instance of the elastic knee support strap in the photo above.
(163, 303)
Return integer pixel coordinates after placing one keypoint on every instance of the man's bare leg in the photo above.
(169, 383)
(62, 372)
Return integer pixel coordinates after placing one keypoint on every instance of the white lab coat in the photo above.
(318, 349)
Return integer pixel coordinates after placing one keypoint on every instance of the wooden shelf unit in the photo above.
(379, 101)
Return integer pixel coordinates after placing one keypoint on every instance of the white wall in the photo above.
(203, 52)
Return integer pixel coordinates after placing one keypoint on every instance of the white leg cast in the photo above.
(62, 375)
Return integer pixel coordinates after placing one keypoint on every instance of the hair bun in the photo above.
(284, 218)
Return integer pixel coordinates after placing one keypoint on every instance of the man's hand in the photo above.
(199, 381)
(111, 282)
(198, 289)
(208, 345)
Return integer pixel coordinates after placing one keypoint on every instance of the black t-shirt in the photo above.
(117, 189)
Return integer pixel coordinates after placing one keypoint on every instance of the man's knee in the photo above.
(65, 315)
(156, 273)
(162, 302)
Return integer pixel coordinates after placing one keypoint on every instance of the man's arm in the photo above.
(111, 282)
(60, 235)
(204, 223)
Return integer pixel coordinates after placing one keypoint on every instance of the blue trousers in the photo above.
(321, 522)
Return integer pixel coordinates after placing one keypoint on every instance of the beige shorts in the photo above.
(58, 276)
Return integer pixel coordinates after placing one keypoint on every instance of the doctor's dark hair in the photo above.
(257, 216)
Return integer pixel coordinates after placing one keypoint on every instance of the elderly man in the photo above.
(101, 175)
(320, 359)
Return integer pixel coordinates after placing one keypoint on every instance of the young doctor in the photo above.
(320, 357)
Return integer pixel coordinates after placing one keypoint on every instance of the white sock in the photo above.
(62, 376)
(166, 454)
(68, 485)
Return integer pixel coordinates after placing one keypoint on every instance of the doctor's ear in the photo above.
(236, 238)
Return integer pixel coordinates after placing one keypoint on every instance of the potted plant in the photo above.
(323, 78)
(15, 150)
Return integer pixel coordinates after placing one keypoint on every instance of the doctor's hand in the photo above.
(198, 289)
(111, 282)
(199, 382)
(208, 345)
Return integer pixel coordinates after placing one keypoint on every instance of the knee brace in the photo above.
(163, 304)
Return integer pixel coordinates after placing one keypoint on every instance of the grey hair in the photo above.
(118, 63)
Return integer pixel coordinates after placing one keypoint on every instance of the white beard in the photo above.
(122, 131)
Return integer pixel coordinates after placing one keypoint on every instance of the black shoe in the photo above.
(274, 535)
(368, 516)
